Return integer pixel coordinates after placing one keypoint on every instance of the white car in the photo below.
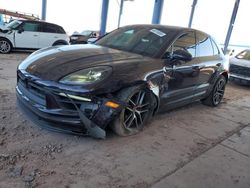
(25, 34)
(240, 67)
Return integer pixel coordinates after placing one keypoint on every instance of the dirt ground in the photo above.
(33, 157)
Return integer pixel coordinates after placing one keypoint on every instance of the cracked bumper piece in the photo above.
(65, 113)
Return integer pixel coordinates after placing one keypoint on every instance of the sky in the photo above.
(211, 16)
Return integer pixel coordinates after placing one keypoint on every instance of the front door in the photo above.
(181, 76)
(27, 35)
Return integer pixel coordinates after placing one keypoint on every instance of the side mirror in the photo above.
(182, 55)
(20, 30)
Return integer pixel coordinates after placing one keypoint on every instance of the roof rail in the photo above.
(19, 14)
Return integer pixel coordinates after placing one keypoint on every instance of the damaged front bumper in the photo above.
(62, 111)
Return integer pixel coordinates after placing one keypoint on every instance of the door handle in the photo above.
(35, 35)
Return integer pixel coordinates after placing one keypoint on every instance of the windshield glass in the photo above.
(141, 40)
(14, 24)
(86, 33)
(244, 55)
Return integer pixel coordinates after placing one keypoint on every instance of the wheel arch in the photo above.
(148, 85)
(8, 41)
(60, 42)
(225, 74)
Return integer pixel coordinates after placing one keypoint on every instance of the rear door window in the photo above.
(204, 45)
(215, 48)
(49, 28)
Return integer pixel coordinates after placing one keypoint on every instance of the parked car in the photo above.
(84, 37)
(25, 34)
(240, 67)
(122, 80)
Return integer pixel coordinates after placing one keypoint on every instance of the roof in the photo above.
(169, 28)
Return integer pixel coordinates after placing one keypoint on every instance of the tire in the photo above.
(217, 93)
(139, 110)
(5, 46)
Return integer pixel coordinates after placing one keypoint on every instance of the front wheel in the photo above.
(5, 46)
(217, 93)
(138, 110)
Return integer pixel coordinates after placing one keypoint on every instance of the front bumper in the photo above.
(241, 78)
(48, 109)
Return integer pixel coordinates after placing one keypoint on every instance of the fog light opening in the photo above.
(111, 104)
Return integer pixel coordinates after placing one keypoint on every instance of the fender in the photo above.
(215, 77)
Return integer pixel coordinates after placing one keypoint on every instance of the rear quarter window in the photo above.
(50, 28)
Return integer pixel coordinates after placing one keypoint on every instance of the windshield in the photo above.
(244, 55)
(86, 33)
(141, 40)
(14, 24)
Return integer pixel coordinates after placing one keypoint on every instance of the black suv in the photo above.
(122, 80)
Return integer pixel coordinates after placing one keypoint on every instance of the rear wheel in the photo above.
(138, 111)
(5, 46)
(217, 93)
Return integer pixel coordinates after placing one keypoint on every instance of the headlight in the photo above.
(87, 76)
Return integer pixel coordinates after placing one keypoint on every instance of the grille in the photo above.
(51, 100)
(245, 71)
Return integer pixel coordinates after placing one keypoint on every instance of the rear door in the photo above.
(27, 35)
(209, 61)
(182, 77)
(50, 34)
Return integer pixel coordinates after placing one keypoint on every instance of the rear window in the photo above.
(243, 55)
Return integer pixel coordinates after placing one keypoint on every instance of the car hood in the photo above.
(239, 62)
(54, 63)
(3, 28)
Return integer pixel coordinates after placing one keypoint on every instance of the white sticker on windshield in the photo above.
(158, 32)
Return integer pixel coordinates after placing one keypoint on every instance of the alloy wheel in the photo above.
(136, 112)
(219, 91)
(4, 46)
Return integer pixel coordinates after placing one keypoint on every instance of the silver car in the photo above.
(240, 67)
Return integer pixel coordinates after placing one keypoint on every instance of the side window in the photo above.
(215, 48)
(204, 45)
(186, 42)
(61, 30)
(29, 26)
(49, 28)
